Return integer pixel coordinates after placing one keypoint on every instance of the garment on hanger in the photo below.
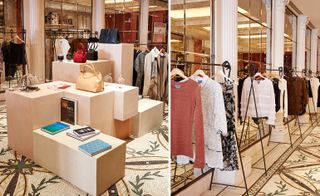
(61, 47)
(186, 112)
(240, 87)
(214, 120)
(150, 65)
(139, 64)
(298, 99)
(264, 97)
(163, 77)
(314, 83)
(277, 93)
(283, 97)
(134, 72)
(229, 143)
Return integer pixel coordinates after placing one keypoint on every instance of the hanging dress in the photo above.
(229, 144)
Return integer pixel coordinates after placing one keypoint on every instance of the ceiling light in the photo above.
(175, 41)
(191, 13)
(242, 11)
(117, 1)
(252, 36)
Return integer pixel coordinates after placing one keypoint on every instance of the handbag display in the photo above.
(110, 36)
(80, 56)
(92, 53)
(90, 80)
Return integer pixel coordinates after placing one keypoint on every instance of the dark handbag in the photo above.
(80, 56)
(110, 36)
(92, 53)
(60, 58)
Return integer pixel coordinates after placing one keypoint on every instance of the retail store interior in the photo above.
(84, 97)
(247, 43)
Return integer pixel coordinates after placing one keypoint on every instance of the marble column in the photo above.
(35, 41)
(226, 46)
(143, 23)
(314, 49)
(301, 41)
(98, 15)
(279, 8)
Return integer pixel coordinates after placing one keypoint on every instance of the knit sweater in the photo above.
(264, 97)
(214, 120)
(186, 113)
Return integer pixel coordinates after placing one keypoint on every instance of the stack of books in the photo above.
(83, 134)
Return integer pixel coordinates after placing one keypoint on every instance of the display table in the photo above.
(125, 100)
(122, 56)
(27, 111)
(150, 116)
(94, 174)
(69, 71)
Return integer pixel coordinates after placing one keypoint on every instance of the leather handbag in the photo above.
(92, 53)
(80, 56)
(90, 79)
(110, 36)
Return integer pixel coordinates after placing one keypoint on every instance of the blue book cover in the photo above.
(94, 147)
(55, 128)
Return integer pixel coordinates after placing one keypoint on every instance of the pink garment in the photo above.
(186, 110)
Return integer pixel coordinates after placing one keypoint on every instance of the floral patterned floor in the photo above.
(300, 174)
(146, 166)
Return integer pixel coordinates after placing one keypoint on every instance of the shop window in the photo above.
(290, 39)
(254, 34)
(190, 35)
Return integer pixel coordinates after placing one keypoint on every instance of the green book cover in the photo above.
(55, 128)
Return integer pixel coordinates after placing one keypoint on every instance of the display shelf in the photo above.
(68, 162)
(122, 55)
(125, 100)
(27, 111)
(150, 116)
(69, 71)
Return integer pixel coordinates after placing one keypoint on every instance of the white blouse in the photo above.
(264, 97)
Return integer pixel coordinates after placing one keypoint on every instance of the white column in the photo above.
(279, 7)
(34, 25)
(227, 34)
(301, 41)
(314, 49)
(268, 6)
(143, 23)
(98, 15)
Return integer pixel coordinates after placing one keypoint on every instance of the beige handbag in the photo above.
(90, 80)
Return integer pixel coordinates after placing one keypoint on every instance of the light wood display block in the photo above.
(234, 177)
(93, 175)
(122, 56)
(125, 100)
(150, 116)
(27, 111)
(69, 71)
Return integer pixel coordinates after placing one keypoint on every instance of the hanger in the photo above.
(223, 75)
(199, 72)
(258, 76)
(19, 39)
(177, 72)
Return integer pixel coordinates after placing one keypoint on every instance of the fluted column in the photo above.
(314, 49)
(227, 34)
(279, 8)
(268, 4)
(301, 41)
(98, 15)
(34, 25)
(143, 23)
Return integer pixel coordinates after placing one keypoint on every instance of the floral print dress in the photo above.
(229, 144)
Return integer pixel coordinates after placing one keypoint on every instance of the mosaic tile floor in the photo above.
(146, 165)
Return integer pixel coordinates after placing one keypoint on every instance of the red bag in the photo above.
(80, 56)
